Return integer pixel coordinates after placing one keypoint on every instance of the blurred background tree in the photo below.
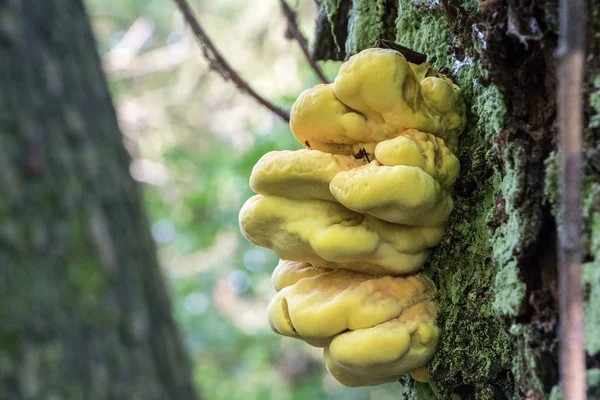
(84, 308)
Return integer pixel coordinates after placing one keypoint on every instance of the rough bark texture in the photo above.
(83, 307)
(496, 267)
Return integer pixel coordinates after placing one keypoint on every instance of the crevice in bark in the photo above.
(329, 42)
(390, 15)
(519, 56)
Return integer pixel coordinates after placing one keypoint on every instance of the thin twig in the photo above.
(218, 63)
(161, 59)
(570, 248)
(293, 31)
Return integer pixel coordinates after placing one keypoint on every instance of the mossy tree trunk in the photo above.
(496, 267)
(84, 312)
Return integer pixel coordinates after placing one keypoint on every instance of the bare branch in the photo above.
(130, 44)
(570, 248)
(161, 59)
(293, 31)
(220, 65)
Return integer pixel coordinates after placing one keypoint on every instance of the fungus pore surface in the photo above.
(354, 215)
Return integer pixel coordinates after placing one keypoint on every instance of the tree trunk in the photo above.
(84, 312)
(496, 267)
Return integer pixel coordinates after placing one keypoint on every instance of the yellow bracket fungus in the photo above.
(355, 215)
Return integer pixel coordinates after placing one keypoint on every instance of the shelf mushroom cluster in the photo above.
(354, 215)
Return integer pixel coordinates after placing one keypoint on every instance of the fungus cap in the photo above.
(373, 329)
(385, 352)
(326, 234)
(287, 273)
(301, 174)
(401, 194)
(381, 85)
(324, 305)
(320, 121)
(423, 150)
(376, 96)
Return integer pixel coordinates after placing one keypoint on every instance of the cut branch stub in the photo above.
(410, 55)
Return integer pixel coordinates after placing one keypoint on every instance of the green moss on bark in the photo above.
(425, 32)
(490, 250)
(365, 25)
(475, 347)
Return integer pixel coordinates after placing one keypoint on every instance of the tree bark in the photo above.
(84, 311)
(496, 269)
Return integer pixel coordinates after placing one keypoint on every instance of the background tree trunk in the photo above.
(84, 312)
(496, 267)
